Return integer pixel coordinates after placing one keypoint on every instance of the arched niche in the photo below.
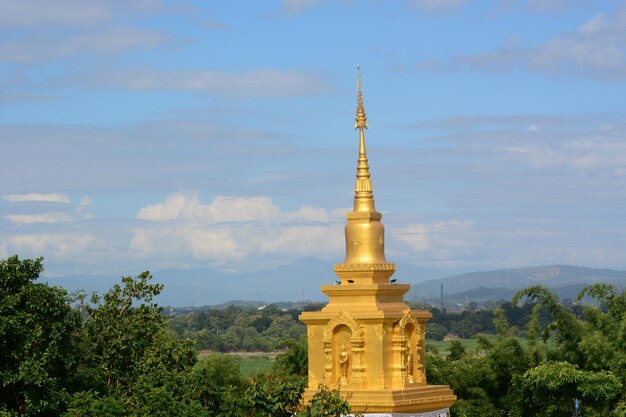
(341, 335)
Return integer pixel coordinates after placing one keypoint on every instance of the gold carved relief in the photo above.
(381, 266)
(342, 318)
(379, 330)
(408, 318)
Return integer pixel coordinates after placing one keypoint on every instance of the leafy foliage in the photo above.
(236, 329)
(326, 402)
(113, 356)
(295, 360)
(551, 388)
(37, 340)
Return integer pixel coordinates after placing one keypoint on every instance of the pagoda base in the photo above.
(424, 399)
(444, 412)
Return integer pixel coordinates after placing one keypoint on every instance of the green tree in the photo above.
(568, 328)
(295, 360)
(551, 388)
(465, 328)
(37, 340)
(217, 383)
(326, 402)
(436, 331)
(593, 338)
(272, 395)
(535, 352)
(126, 353)
(456, 350)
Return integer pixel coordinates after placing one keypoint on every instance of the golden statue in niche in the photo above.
(343, 364)
(366, 340)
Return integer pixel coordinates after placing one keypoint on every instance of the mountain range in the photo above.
(565, 280)
(301, 281)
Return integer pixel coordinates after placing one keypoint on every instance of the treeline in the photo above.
(111, 355)
(582, 372)
(238, 329)
(472, 321)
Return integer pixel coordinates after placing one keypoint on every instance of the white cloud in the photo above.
(34, 197)
(592, 154)
(180, 206)
(105, 42)
(226, 245)
(17, 13)
(597, 48)
(186, 241)
(257, 83)
(304, 241)
(308, 213)
(84, 207)
(72, 13)
(55, 217)
(221, 209)
(230, 229)
(85, 202)
(55, 245)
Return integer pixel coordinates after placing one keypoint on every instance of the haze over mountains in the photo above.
(565, 280)
(301, 281)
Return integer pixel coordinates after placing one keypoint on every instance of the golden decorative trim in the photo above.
(365, 267)
(342, 318)
(379, 330)
(361, 117)
(405, 320)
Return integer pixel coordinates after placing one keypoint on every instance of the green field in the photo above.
(254, 363)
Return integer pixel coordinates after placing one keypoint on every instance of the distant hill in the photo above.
(301, 280)
(502, 284)
(295, 282)
(186, 287)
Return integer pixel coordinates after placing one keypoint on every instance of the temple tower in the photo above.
(367, 341)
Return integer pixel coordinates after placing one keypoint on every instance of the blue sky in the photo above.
(152, 134)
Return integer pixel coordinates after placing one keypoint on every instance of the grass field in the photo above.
(254, 363)
(250, 362)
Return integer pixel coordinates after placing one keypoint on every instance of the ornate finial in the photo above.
(363, 196)
(361, 118)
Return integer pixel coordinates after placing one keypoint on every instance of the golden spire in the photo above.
(365, 234)
(363, 196)
(361, 118)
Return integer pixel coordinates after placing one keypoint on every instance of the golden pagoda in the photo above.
(367, 341)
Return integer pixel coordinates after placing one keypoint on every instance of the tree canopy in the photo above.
(113, 355)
